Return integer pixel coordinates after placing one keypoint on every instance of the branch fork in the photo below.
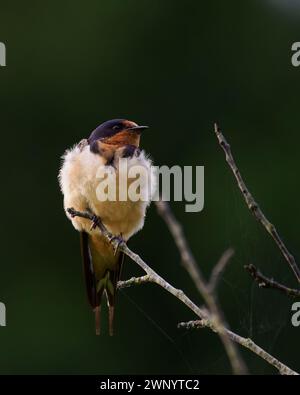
(211, 318)
(262, 280)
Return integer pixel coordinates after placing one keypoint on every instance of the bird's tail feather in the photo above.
(107, 284)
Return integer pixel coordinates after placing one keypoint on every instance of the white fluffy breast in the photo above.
(80, 183)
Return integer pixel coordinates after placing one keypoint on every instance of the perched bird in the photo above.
(79, 177)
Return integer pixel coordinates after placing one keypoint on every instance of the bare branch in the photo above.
(197, 324)
(187, 258)
(219, 269)
(180, 295)
(245, 342)
(253, 205)
(134, 281)
(204, 289)
(265, 282)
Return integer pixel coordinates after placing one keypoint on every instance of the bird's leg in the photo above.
(95, 222)
(95, 219)
(116, 242)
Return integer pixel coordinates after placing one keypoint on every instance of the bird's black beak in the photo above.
(138, 129)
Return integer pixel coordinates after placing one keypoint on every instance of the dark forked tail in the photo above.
(96, 288)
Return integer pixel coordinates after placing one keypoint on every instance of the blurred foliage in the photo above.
(177, 66)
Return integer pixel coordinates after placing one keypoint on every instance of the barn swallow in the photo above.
(112, 140)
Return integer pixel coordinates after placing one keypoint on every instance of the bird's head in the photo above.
(117, 132)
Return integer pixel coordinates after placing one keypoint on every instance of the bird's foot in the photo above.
(116, 241)
(72, 212)
(95, 222)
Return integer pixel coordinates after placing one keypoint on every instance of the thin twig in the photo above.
(245, 342)
(265, 282)
(253, 205)
(196, 324)
(134, 281)
(204, 289)
(219, 269)
(179, 294)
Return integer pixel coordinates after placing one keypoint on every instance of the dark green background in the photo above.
(177, 66)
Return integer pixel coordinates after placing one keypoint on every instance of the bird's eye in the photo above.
(117, 127)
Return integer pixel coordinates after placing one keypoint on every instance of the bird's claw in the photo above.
(95, 222)
(116, 241)
(71, 211)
